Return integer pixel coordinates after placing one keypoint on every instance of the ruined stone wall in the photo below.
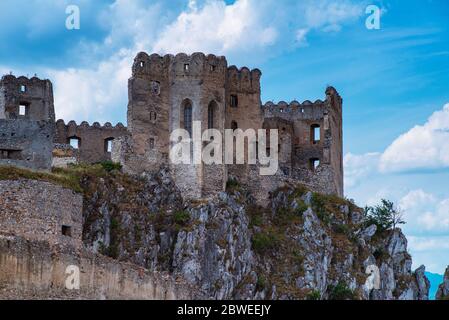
(335, 118)
(27, 118)
(26, 143)
(34, 94)
(245, 85)
(92, 139)
(35, 251)
(306, 148)
(160, 90)
(37, 270)
(39, 210)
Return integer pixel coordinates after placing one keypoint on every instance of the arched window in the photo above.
(188, 117)
(211, 111)
(234, 125)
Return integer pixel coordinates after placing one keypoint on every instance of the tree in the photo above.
(385, 216)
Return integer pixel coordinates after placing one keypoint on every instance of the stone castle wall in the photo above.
(34, 94)
(92, 139)
(170, 92)
(26, 143)
(35, 251)
(39, 210)
(27, 118)
(38, 270)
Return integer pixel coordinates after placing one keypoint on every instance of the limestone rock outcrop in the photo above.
(304, 245)
(443, 289)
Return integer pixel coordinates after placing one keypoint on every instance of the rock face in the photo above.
(302, 246)
(443, 289)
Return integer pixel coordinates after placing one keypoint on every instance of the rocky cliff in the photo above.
(443, 289)
(304, 245)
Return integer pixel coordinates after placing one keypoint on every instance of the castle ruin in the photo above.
(170, 92)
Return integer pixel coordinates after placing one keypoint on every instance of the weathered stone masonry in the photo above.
(27, 120)
(94, 141)
(170, 92)
(41, 236)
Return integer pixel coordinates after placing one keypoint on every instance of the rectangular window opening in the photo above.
(22, 110)
(314, 164)
(66, 231)
(74, 142)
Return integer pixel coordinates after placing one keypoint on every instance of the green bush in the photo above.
(265, 241)
(341, 292)
(302, 207)
(341, 229)
(385, 216)
(261, 283)
(181, 218)
(111, 166)
(314, 295)
(232, 184)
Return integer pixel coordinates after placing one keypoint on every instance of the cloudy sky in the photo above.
(394, 81)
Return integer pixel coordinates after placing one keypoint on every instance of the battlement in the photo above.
(34, 81)
(294, 110)
(93, 143)
(244, 79)
(85, 125)
(182, 64)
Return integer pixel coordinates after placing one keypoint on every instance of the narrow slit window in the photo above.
(188, 119)
(234, 101)
(234, 125)
(152, 143)
(211, 115)
(186, 67)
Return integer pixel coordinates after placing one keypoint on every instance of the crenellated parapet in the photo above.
(244, 79)
(85, 125)
(93, 142)
(180, 65)
(295, 110)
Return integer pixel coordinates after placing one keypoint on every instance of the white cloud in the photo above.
(219, 28)
(329, 15)
(432, 251)
(359, 167)
(422, 147)
(425, 213)
(246, 31)
(84, 94)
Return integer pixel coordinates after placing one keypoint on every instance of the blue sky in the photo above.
(394, 81)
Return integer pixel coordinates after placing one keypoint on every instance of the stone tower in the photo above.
(27, 122)
(171, 92)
